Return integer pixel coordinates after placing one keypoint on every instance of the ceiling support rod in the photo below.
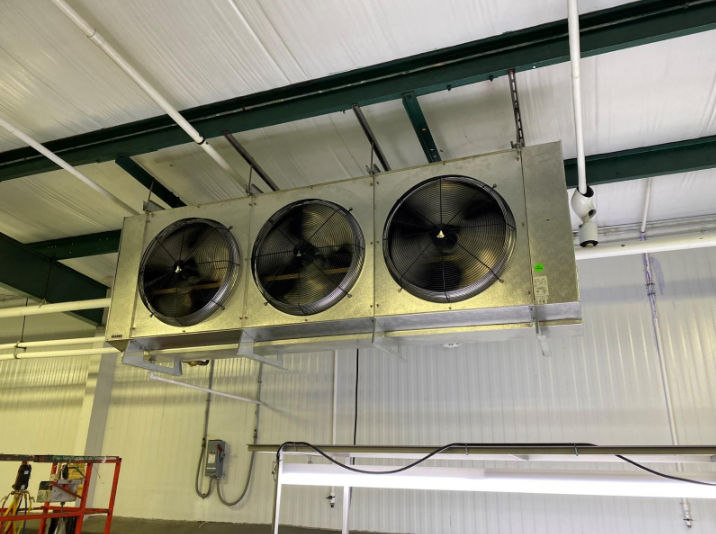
(420, 125)
(516, 108)
(250, 160)
(371, 137)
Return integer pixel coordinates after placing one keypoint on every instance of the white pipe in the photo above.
(645, 215)
(662, 244)
(49, 343)
(60, 307)
(575, 57)
(62, 163)
(170, 110)
(332, 494)
(58, 353)
(199, 388)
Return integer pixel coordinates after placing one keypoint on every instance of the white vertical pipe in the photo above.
(170, 110)
(332, 495)
(575, 57)
(651, 294)
(62, 163)
(645, 215)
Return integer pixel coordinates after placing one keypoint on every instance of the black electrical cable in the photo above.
(663, 475)
(465, 446)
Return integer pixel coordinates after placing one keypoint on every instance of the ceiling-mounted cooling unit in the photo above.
(473, 249)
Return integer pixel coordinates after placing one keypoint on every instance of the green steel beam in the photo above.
(80, 246)
(28, 271)
(658, 160)
(602, 31)
(147, 180)
(420, 125)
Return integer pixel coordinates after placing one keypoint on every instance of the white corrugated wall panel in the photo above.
(686, 301)
(603, 388)
(40, 403)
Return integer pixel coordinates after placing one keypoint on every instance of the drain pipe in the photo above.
(583, 197)
(332, 496)
(651, 294)
(60, 307)
(94, 36)
(69, 168)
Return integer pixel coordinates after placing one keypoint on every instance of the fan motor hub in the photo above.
(445, 237)
(307, 252)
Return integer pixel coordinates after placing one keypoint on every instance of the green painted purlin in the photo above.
(147, 180)
(420, 125)
(80, 246)
(616, 28)
(658, 160)
(34, 274)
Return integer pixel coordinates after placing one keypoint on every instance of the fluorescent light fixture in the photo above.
(608, 483)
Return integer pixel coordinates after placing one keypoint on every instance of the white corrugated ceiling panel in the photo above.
(101, 267)
(56, 204)
(326, 40)
(642, 96)
(296, 154)
(672, 197)
(55, 82)
(215, 50)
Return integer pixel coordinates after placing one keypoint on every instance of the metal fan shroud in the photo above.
(188, 271)
(307, 257)
(448, 238)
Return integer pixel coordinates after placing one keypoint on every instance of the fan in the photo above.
(188, 271)
(448, 238)
(308, 256)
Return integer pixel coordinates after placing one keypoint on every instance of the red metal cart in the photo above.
(80, 509)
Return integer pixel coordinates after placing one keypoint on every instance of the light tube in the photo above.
(605, 483)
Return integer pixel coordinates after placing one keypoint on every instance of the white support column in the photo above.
(92, 422)
(277, 500)
(346, 508)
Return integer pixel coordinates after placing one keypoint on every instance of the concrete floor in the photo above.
(128, 525)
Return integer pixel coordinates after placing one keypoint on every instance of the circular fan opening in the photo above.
(308, 256)
(188, 271)
(448, 238)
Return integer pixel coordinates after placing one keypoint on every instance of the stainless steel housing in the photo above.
(538, 295)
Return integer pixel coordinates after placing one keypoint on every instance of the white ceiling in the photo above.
(55, 83)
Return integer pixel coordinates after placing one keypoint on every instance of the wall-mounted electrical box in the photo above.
(216, 450)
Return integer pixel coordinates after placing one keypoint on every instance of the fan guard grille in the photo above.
(308, 256)
(188, 271)
(448, 238)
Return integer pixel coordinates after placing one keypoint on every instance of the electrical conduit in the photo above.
(94, 36)
(66, 166)
(651, 293)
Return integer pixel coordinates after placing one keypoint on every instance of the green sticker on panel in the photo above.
(539, 267)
